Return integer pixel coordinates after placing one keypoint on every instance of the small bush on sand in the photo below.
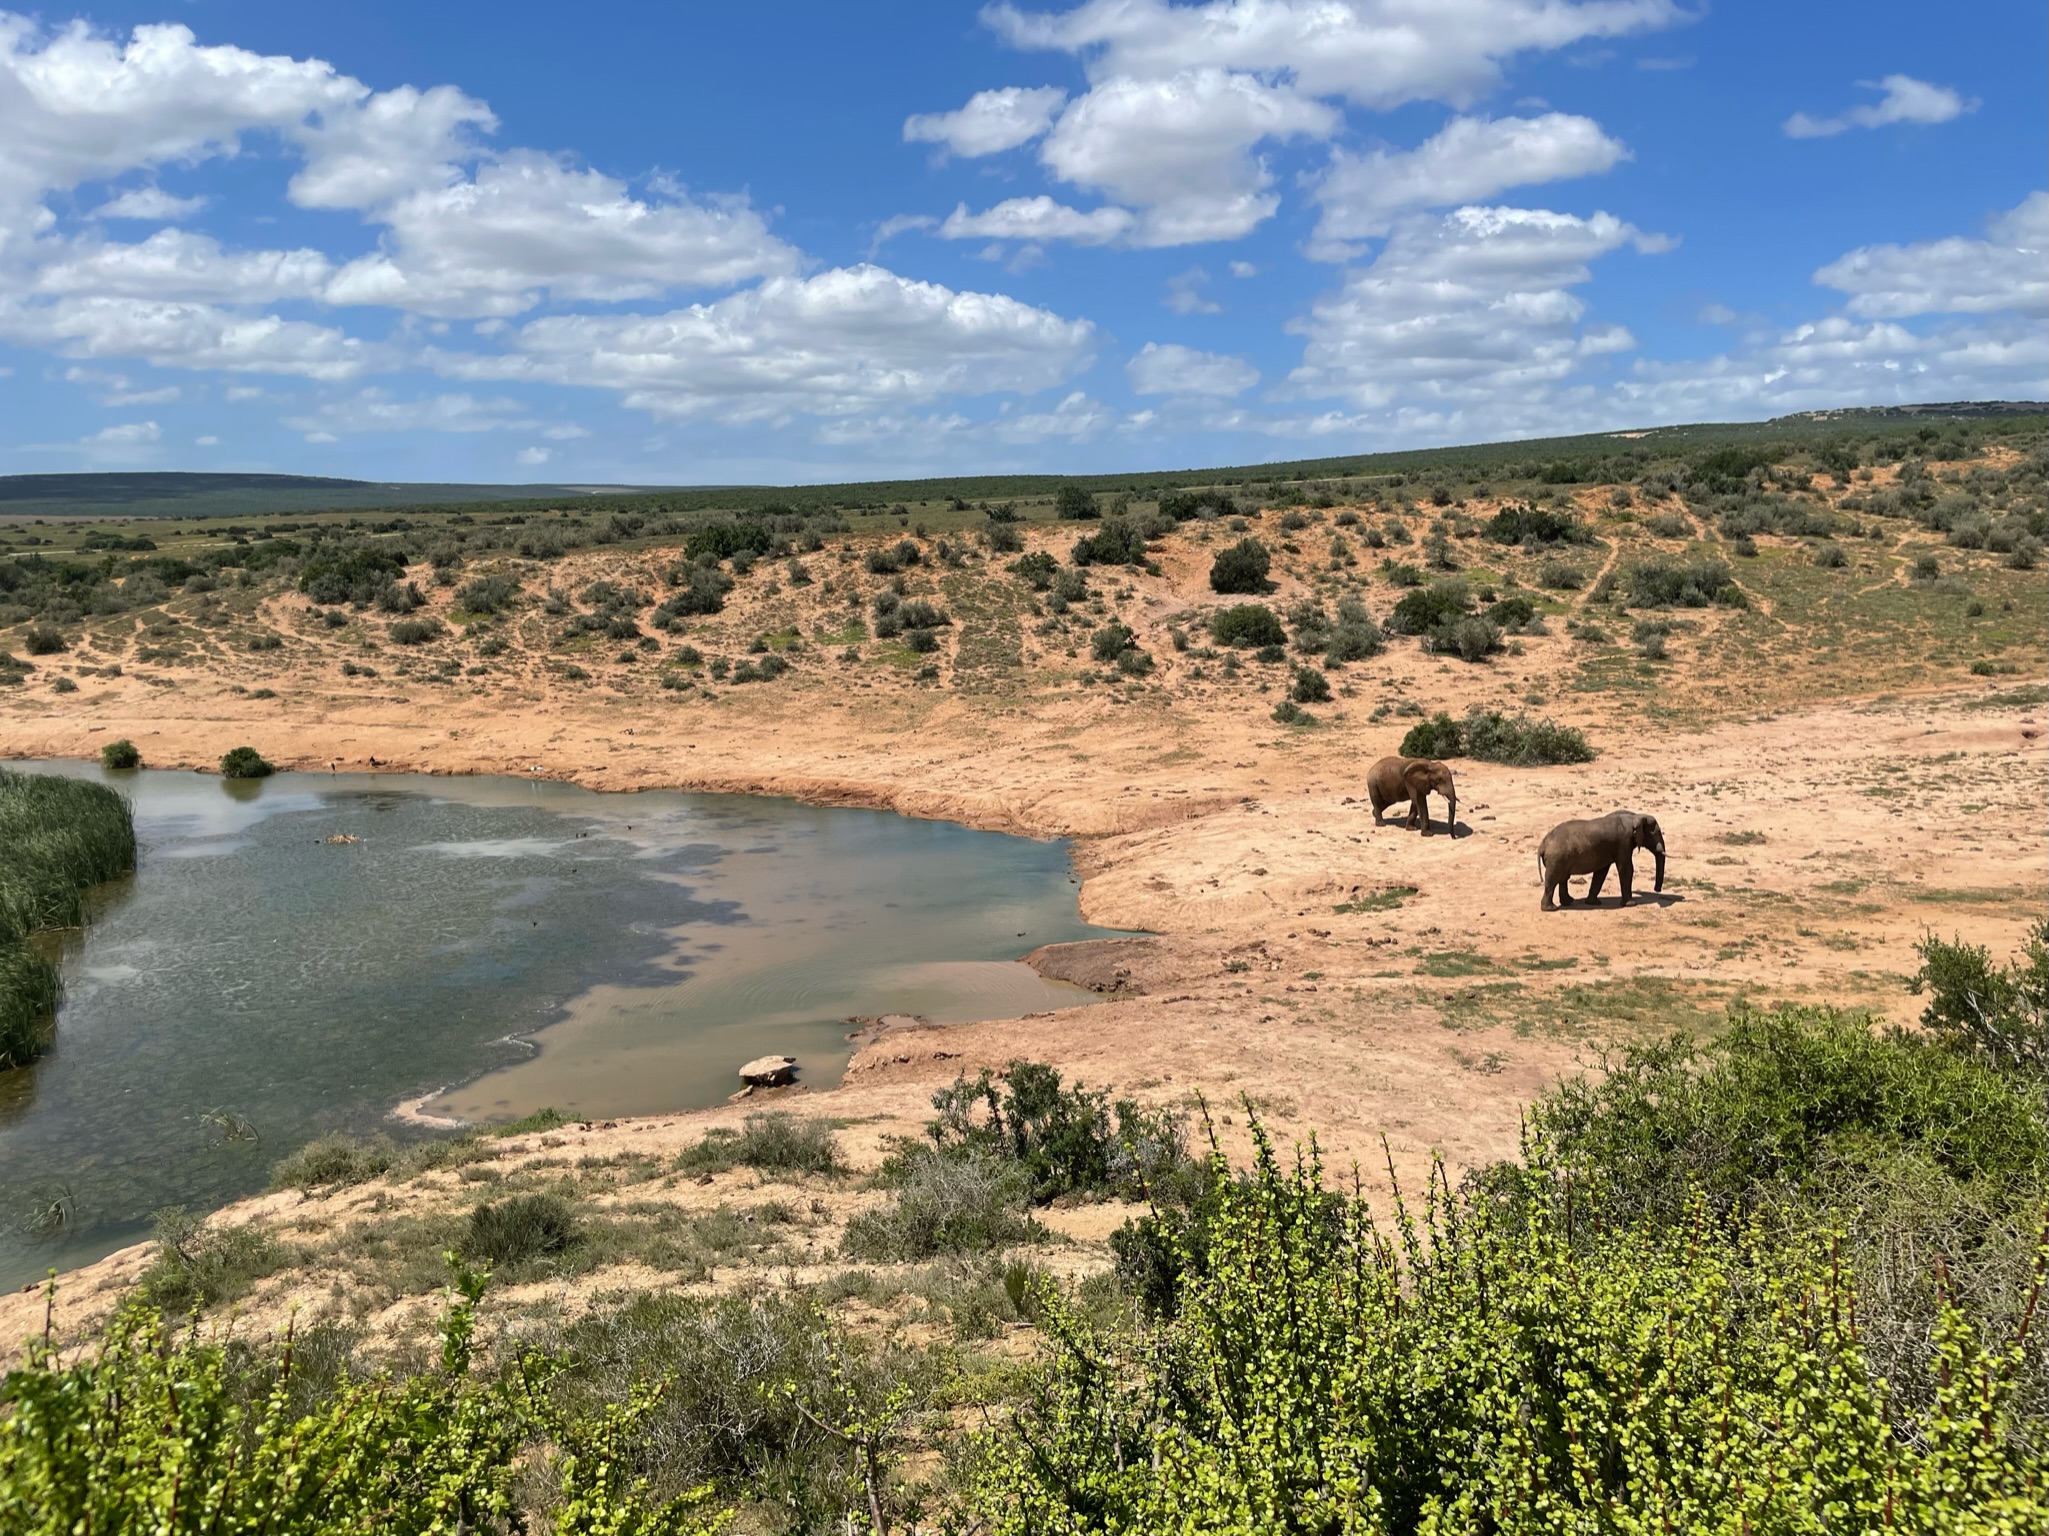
(946, 1200)
(518, 1230)
(335, 1161)
(1118, 543)
(1310, 687)
(415, 631)
(488, 594)
(1248, 626)
(1692, 584)
(245, 763)
(1488, 736)
(198, 1266)
(1240, 568)
(772, 1141)
(120, 756)
(41, 640)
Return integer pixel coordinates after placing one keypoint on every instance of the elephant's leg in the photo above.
(1549, 903)
(1626, 873)
(1594, 885)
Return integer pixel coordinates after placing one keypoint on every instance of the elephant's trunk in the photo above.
(1658, 880)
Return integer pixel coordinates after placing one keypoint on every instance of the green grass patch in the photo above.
(1387, 900)
(1455, 962)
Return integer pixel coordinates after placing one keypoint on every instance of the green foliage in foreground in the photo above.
(58, 838)
(1489, 736)
(1485, 1370)
(176, 1436)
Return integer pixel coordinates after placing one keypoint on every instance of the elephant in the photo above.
(1591, 848)
(1413, 779)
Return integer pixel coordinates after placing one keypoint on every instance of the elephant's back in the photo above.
(1386, 775)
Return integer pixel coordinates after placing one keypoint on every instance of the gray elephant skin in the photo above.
(1413, 779)
(1593, 848)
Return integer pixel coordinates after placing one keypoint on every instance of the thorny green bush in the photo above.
(1693, 584)
(180, 1436)
(198, 1265)
(1470, 1370)
(1248, 625)
(1242, 567)
(943, 1200)
(245, 763)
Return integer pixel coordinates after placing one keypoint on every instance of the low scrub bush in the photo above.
(1111, 641)
(1536, 525)
(41, 640)
(1036, 570)
(1426, 608)
(199, 1266)
(1693, 584)
(944, 1200)
(1248, 626)
(1119, 542)
(415, 631)
(245, 763)
(1241, 567)
(1310, 687)
(1560, 576)
(722, 541)
(1071, 503)
(335, 1161)
(488, 594)
(1069, 1140)
(772, 1141)
(120, 756)
(1489, 736)
(1355, 638)
(1470, 639)
(1185, 505)
(519, 1230)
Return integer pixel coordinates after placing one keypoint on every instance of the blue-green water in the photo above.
(515, 944)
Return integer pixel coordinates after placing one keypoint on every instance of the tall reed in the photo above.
(58, 838)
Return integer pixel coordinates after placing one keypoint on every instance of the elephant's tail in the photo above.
(1540, 866)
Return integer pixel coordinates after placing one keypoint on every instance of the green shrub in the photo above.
(1695, 584)
(1356, 637)
(1071, 503)
(1181, 506)
(1470, 639)
(1069, 1140)
(199, 1266)
(772, 1141)
(1427, 608)
(335, 1161)
(120, 756)
(944, 1200)
(1111, 641)
(1830, 557)
(1240, 568)
(161, 1430)
(1247, 626)
(1458, 1370)
(518, 1230)
(417, 631)
(2000, 1013)
(1310, 687)
(1488, 736)
(488, 594)
(1035, 569)
(722, 541)
(41, 640)
(1536, 525)
(923, 641)
(1117, 543)
(1560, 576)
(245, 763)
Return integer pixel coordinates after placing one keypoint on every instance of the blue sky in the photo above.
(786, 242)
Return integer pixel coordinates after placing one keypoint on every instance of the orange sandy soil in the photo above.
(1831, 779)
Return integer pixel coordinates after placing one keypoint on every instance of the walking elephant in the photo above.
(1413, 779)
(1593, 848)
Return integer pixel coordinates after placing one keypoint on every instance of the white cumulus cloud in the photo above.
(2007, 270)
(1469, 160)
(991, 122)
(151, 204)
(1164, 368)
(1905, 100)
(1038, 219)
(1472, 309)
(843, 341)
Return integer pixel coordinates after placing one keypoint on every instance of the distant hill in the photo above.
(178, 494)
(1557, 459)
